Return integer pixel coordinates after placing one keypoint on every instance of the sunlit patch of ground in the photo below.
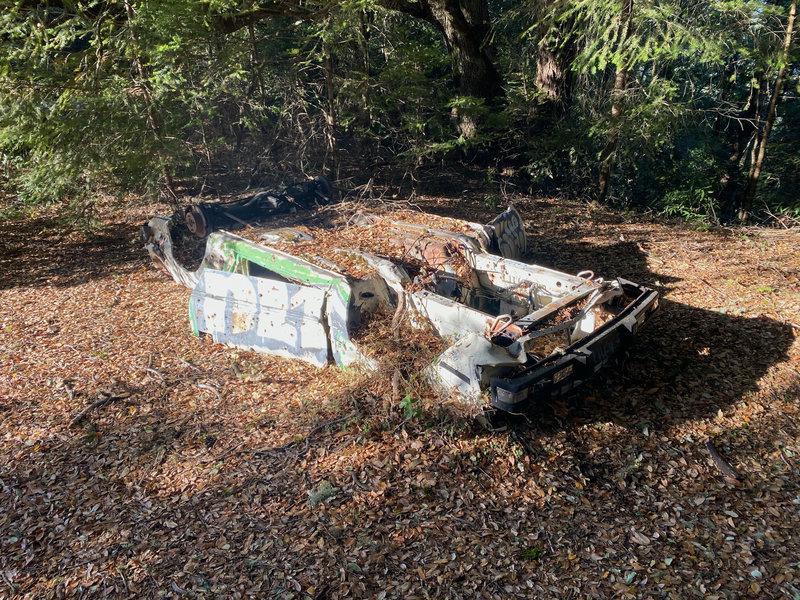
(217, 473)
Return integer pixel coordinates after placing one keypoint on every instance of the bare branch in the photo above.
(276, 8)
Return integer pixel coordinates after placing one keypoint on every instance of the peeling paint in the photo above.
(519, 332)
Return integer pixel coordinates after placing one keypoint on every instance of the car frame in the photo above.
(464, 280)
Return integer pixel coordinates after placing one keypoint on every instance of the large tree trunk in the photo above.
(617, 103)
(745, 131)
(464, 25)
(555, 78)
(466, 30)
(758, 163)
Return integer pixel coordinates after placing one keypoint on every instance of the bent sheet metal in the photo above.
(517, 332)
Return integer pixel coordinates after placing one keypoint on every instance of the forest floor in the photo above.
(207, 472)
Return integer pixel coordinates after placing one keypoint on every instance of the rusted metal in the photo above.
(518, 332)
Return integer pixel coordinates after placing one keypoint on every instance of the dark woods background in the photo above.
(684, 107)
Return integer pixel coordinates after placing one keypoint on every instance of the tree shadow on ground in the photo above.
(37, 252)
(167, 499)
(687, 363)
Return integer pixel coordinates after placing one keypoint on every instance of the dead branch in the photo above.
(156, 373)
(723, 465)
(396, 378)
(272, 451)
(398, 314)
(356, 480)
(776, 269)
(9, 582)
(774, 217)
(211, 388)
(104, 399)
(188, 364)
(67, 388)
(319, 428)
(715, 289)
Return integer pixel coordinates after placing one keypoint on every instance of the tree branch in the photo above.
(275, 8)
(420, 10)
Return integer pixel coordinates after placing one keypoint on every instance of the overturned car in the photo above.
(517, 333)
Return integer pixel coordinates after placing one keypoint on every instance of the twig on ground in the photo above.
(155, 372)
(272, 451)
(785, 460)
(99, 403)
(775, 217)
(356, 481)
(319, 428)
(398, 314)
(68, 389)
(124, 579)
(723, 465)
(210, 388)
(188, 364)
(9, 583)
(715, 289)
(465, 523)
(546, 534)
(777, 270)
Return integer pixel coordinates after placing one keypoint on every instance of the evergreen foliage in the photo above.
(133, 96)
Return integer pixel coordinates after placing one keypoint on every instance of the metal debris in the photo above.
(518, 332)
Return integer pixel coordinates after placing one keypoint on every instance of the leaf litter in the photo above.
(138, 461)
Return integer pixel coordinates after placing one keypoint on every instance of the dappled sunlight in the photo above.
(141, 461)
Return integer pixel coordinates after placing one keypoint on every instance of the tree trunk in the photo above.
(755, 171)
(466, 29)
(364, 20)
(617, 106)
(554, 75)
(746, 129)
(464, 25)
(612, 141)
(554, 80)
(256, 80)
(330, 116)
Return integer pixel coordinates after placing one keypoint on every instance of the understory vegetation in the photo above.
(682, 108)
(140, 461)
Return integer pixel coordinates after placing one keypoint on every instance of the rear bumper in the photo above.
(557, 376)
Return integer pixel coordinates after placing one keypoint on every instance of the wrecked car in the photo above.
(515, 332)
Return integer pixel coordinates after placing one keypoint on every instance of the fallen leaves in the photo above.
(198, 484)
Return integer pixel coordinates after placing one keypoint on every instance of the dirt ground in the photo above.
(200, 471)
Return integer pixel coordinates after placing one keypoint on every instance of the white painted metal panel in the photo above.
(448, 317)
(507, 273)
(261, 314)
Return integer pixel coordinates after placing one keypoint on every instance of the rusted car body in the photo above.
(517, 332)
